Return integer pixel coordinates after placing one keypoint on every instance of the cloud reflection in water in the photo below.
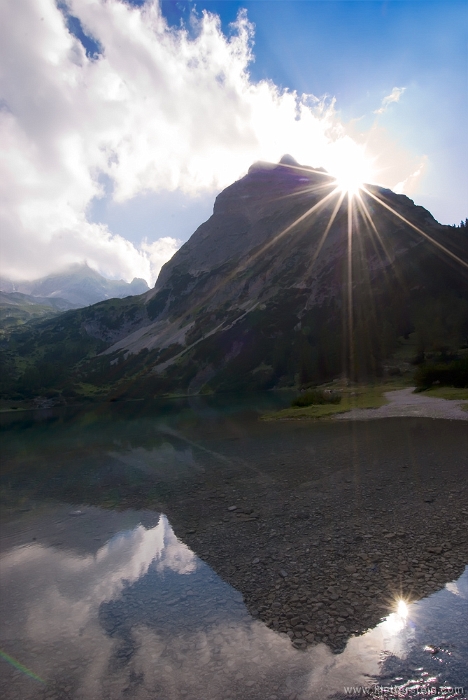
(145, 616)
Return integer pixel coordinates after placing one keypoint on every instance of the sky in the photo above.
(121, 120)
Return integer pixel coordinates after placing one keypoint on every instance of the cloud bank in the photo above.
(153, 108)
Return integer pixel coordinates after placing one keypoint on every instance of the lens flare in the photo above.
(20, 667)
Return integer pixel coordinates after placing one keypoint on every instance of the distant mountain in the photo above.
(287, 283)
(79, 285)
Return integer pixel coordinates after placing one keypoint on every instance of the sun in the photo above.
(351, 169)
(349, 182)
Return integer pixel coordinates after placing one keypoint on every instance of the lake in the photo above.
(187, 549)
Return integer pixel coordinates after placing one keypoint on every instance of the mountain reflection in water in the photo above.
(137, 614)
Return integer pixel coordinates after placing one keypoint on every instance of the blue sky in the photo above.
(120, 120)
(355, 52)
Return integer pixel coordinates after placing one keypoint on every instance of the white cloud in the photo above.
(160, 109)
(410, 184)
(394, 96)
(158, 252)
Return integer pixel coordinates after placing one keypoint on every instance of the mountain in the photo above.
(287, 283)
(79, 285)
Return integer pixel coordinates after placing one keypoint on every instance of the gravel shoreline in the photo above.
(403, 403)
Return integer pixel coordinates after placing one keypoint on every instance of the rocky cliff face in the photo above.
(288, 282)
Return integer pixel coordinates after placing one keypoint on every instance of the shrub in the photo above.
(394, 372)
(316, 397)
(453, 373)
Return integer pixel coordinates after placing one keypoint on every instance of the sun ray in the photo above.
(373, 230)
(331, 180)
(305, 191)
(366, 214)
(350, 287)
(282, 233)
(365, 310)
(420, 231)
(341, 196)
(369, 317)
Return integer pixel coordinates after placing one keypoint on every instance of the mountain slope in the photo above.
(286, 283)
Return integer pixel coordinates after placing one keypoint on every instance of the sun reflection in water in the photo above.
(402, 609)
(396, 621)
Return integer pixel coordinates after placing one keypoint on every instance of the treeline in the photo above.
(461, 225)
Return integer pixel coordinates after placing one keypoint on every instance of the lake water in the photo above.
(101, 600)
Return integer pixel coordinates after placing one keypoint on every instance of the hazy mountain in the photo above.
(79, 285)
(284, 284)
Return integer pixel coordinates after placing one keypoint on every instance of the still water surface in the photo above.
(102, 603)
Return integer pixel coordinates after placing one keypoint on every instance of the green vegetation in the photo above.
(351, 397)
(452, 373)
(448, 392)
(316, 397)
(62, 354)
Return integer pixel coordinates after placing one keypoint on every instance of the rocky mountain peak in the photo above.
(288, 160)
(234, 229)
